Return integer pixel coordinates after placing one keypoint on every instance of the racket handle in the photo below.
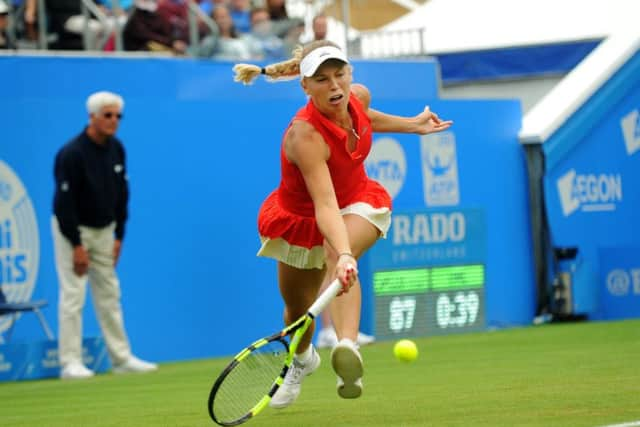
(325, 298)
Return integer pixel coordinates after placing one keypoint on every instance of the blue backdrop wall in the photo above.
(202, 154)
(592, 198)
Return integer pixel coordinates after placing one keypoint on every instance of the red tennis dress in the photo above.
(286, 220)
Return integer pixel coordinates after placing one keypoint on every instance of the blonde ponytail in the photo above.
(280, 71)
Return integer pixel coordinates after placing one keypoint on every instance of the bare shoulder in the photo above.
(299, 133)
(304, 141)
(362, 93)
(300, 129)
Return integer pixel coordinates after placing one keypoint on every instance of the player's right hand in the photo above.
(80, 260)
(347, 272)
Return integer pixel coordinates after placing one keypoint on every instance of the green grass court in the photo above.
(581, 374)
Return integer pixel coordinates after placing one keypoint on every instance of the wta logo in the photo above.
(387, 164)
(19, 240)
(631, 131)
(589, 192)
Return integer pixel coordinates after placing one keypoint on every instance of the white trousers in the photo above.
(105, 291)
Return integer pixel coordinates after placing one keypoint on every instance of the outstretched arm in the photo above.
(422, 124)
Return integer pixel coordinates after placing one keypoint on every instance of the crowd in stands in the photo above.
(224, 29)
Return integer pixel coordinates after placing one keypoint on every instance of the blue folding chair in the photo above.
(12, 309)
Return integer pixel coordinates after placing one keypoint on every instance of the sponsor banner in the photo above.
(39, 359)
(19, 241)
(432, 237)
(592, 184)
(589, 192)
(619, 282)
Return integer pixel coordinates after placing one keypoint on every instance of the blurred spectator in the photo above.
(176, 12)
(291, 38)
(277, 10)
(23, 14)
(147, 30)
(30, 18)
(68, 22)
(319, 27)
(58, 13)
(262, 42)
(240, 11)
(284, 27)
(207, 6)
(226, 44)
(322, 28)
(5, 40)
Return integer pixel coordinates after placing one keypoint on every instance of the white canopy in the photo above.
(462, 25)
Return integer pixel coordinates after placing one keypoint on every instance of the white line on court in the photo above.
(629, 424)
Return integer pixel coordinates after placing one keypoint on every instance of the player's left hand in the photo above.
(429, 122)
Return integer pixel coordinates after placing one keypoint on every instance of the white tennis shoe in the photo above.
(327, 338)
(290, 389)
(347, 364)
(133, 364)
(75, 371)
(364, 339)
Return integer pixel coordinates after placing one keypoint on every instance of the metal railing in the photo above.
(389, 44)
(88, 36)
(196, 12)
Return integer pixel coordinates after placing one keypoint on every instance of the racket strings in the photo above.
(249, 381)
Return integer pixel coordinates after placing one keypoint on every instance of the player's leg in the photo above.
(345, 312)
(299, 289)
(105, 289)
(327, 337)
(71, 299)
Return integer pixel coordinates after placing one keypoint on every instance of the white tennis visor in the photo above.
(310, 63)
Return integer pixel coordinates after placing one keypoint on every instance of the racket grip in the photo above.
(325, 298)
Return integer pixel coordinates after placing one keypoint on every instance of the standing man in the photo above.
(90, 211)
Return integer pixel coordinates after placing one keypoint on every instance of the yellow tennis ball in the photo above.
(405, 350)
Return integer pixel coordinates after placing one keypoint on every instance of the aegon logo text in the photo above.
(622, 282)
(589, 192)
(428, 228)
(386, 164)
(630, 125)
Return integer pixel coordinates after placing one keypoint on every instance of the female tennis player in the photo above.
(326, 212)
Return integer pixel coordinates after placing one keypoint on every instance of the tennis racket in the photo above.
(247, 384)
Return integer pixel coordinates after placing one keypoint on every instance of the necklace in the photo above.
(350, 129)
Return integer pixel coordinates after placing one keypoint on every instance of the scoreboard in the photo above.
(429, 301)
(429, 274)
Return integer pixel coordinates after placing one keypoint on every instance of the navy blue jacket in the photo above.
(91, 186)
